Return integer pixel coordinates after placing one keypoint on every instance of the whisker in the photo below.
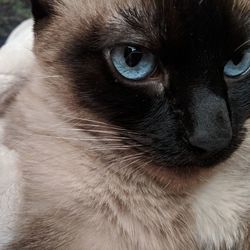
(90, 122)
(83, 139)
(120, 148)
(242, 157)
(134, 161)
(141, 167)
(46, 77)
(90, 131)
(122, 160)
(83, 119)
(129, 157)
(109, 128)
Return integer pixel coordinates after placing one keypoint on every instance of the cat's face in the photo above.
(175, 74)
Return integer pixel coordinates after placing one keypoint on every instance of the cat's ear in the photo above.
(42, 9)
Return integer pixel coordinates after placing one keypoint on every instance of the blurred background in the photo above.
(12, 12)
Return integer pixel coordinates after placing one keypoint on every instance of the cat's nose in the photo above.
(211, 141)
(212, 130)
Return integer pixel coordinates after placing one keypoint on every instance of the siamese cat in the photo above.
(132, 131)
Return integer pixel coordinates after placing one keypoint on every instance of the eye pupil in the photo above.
(237, 58)
(132, 56)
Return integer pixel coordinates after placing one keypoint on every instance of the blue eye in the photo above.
(238, 66)
(133, 63)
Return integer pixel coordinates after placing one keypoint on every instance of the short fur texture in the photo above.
(89, 177)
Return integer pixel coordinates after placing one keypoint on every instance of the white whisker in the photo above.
(91, 131)
(242, 157)
(85, 139)
(108, 148)
(113, 166)
(93, 123)
(46, 77)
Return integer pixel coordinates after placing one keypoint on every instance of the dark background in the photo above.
(12, 12)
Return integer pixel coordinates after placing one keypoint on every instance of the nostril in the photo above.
(211, 142)
(210, 127)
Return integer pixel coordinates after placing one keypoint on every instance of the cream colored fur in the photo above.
(222, 204)
(98, 208)
(16, 60)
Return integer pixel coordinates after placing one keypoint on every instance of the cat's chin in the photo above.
(181, 178)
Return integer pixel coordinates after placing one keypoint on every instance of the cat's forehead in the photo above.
(174, 19)
(96, 6)
(155, 24)
(153, 12)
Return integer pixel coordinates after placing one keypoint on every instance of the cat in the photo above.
(132, 132)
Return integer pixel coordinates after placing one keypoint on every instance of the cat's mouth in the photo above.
(191, 160)
(183, 172)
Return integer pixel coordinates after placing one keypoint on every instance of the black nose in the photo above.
(211, 141)
(212, 130)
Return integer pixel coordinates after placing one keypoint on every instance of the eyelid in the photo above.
(133, 44)
(244, 76)
(243, 46)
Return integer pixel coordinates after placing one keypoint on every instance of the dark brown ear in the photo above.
(42, 9)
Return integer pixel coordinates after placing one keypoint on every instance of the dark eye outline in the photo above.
(152, 77)
(236, 54)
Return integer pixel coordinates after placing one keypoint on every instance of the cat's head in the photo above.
(173, 74)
